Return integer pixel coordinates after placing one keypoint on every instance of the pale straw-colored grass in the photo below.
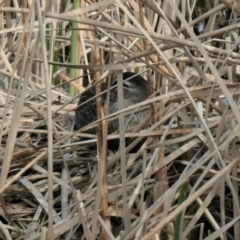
(182, 182)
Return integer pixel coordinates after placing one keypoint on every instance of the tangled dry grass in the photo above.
(182, 183)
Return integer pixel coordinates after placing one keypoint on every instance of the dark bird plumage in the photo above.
(135, 91)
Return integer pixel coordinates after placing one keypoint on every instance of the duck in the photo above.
(135, 90)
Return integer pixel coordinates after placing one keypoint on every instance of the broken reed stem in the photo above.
(126, 209)
(102, 162)
(161, 175)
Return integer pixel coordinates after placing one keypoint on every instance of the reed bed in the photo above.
(182, 182)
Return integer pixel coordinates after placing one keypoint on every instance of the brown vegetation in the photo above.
(183, 180)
